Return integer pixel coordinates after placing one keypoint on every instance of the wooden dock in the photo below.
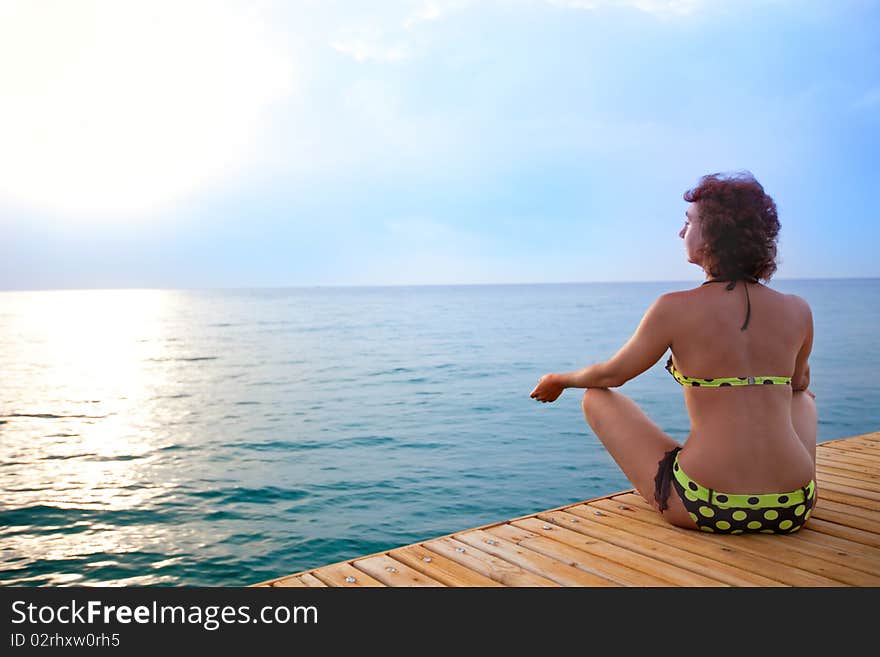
(619, 540)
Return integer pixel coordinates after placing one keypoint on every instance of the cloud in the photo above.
(367, 44)
(390, 39)
(433, 11)
(117, 108)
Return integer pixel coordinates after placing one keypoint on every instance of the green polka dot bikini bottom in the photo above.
(726, 513)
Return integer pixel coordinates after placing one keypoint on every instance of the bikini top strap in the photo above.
(748, 309)
(731, 283)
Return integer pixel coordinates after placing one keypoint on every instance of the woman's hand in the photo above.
(548, 389)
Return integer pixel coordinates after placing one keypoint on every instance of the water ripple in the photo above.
(53, 416)
(181, 360)
(44, 515)
(264, 495)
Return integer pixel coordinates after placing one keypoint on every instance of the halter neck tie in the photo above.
(731, 283)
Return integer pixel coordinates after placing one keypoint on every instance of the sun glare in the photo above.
(120, 107)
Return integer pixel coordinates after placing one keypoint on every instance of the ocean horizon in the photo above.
(224, 436)
(302, 286)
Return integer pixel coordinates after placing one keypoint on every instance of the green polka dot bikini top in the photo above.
(723, 382)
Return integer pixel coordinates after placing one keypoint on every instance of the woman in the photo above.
(739, 350)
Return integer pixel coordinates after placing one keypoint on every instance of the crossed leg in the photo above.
(635, 443)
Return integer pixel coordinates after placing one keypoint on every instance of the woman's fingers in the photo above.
(544, 392)
(536, 392)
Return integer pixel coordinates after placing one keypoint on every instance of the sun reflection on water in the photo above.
(83, 430)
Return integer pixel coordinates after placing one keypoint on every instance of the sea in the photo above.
(225, 437)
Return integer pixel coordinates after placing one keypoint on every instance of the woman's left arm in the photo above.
(646, 346)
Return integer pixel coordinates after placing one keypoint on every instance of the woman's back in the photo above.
(742, 438)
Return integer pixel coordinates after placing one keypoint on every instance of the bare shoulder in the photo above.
(797, 301)
(800, 307)
(667, 309)
(673, 301)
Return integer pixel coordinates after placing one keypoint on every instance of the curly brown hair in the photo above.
(739, 225)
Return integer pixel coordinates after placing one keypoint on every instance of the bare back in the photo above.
(742, 439)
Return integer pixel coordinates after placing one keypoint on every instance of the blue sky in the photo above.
(185, 144)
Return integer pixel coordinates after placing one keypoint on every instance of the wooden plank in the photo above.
(849, 457)
(539, 541)
(873, 436)
(837, 445)
(557, 571)
(344, 574)
(820, 559)
(762, 570)
(853, 456)
(695, 568)
(869, 441)
(862, 529)
(862, 451)
(841, 460)
(865, 437)
(642, 564)
(871, 488)
(392, 572)
(844, 470)
(848, 495)
(852, 468)
(844, 547)
(787, 550)
(825, 503)
(820, 524)
(310, 580)
(835, 471)
(481, 562)
(290, 581)
(858, 457)
(834, 441)
(835, 512)
(438, 567)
